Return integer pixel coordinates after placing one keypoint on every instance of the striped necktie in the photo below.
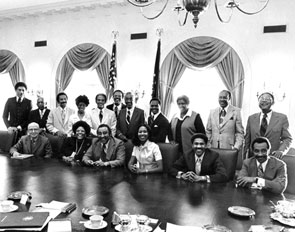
(221, 116)
(198, 166)
(263, 126)
(260, 171)
(100, 116)
(128, 116)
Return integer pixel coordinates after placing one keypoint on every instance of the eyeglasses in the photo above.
(265, 99)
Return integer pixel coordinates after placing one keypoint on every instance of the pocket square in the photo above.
(155, 125)
(232, 118)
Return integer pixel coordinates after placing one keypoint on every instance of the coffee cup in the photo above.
(6, 205)
(96, 220)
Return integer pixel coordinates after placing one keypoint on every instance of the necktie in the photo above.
(116, 111)
(100, 116)
(128, 116)
(63, 116)
(198, 166)
(152, 119)
(260, 170)
(263, 126)
(41, 114)
(103, 153)
(221, 116)
(19, 100)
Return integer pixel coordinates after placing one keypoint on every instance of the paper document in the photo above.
(22, 156)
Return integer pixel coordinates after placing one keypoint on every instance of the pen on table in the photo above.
(4, 218)
(71, 208)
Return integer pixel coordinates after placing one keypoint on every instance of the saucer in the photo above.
(146, 228)
(88, 225)
(11, 209)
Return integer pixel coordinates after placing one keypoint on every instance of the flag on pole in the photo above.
(155, 87)
(113, 70)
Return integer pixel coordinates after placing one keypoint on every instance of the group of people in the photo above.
(97, 138)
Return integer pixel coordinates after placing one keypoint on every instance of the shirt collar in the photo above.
(131, 110)
(199, 157)
(61, 109)
(188, 114)
(263, 164)
(156, 115)
(269, 114)
(107, 145)
(225, 108)
(21, 98)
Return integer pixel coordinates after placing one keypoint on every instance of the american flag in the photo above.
(155, 86)
(113, 69)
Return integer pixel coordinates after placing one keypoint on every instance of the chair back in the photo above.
(290, 161)
(7, 140)
(229, 158)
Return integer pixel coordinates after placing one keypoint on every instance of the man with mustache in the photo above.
(263, 171)
(117, 106)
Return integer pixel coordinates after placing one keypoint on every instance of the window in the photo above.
(202, 88)
(84, 83)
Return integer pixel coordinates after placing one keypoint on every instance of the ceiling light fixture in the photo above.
(224, 8)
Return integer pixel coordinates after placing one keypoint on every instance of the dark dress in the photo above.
(71, 144)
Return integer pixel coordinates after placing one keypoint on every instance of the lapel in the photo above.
(58, 115)
(269, 167)
(216, 116)
(134, 114)
(273, 121)
(205, 161)
(253, 166)
(256, 123)
(28, 141)
(37, 145)
(229, 114)
(111, 148)
(191, 161)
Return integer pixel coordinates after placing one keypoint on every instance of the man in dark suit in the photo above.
(16, 110)
(129, 119)
(105, 150)
(33, 143)
(158, 123)
(200, 164)
(40, 115)
(263, 171)
(269, 124)
(117, 106)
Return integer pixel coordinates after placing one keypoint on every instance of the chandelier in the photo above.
(224, 8)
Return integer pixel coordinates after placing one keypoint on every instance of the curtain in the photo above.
(82, 57)
(201, 53)
(10, 63)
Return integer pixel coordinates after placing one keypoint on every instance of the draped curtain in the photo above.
(201, 53)
(10, 63)
(83, 57)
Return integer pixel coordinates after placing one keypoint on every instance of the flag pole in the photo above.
(113, 67)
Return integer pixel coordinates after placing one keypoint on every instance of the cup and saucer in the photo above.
(7, 206)
(96, 222)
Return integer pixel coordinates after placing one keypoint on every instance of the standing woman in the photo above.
(184, 125)
(75, 147)
(146, 156)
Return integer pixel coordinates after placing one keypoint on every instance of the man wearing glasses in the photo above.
(263, 171)
(269, 124)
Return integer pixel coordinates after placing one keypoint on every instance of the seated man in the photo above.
(263, 171)
(105, 150)
(200, 164)
(33, 143)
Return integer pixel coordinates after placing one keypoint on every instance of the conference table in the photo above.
(158, 196)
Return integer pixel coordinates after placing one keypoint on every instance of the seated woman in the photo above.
(146, 156)
(76, 146)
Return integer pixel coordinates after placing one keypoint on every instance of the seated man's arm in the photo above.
(17, 149)
(87, 158)
(244, 179)
(120, 156)
(178, 166)
(279, 184)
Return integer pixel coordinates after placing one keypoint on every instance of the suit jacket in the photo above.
(17, 114)
(54, 121)
(34, 116)
(69, 146)
(160, 128)
(211, 165)
(277, 132)
(228, 134)
(275, 173)
(115, 152)
(129, 130)
(42, 147)
(109, 118)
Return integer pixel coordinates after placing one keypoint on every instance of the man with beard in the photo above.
(200, 164)
(105, 150)
(117, 106)
(224, 128)
(269, 124)
(263, 171)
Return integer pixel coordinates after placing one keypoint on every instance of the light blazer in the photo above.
(109, 118)
(129, 130)
(277, 132)
(115, 153)
(228, 134)
(275, 173)
(34, 116)
(54, 121)
(41, 149)
(159, 128)
(211, 165)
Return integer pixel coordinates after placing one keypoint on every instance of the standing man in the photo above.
(263, 171)
(129, 119)
(224, 127)
(102, 115)
(158, 123)
(105, 150)
(16, 111)
(200, 164)
(33, 143)
(40, 115)
(117, 106)
(269, 124)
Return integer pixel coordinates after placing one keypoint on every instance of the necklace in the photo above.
(80, 147)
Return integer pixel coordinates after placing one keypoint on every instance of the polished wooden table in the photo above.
(156, 195)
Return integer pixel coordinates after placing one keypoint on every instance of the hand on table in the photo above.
(243, 181)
